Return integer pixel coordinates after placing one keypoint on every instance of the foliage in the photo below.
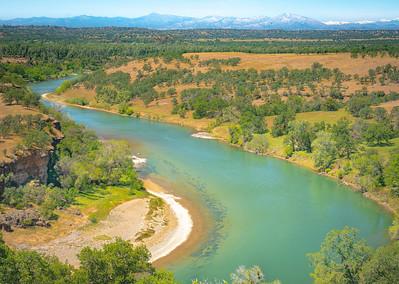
(392, 173)
(343, 137)
(383, 267)
(341, 257)
(78, 101)
(259, 144)
(370, 169)
(116, 262)
(324, 150)
(281, 122)
(67, 84)
(300, 136)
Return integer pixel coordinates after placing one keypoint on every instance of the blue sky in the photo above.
(318, 9)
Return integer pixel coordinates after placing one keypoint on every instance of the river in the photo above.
(263, 211)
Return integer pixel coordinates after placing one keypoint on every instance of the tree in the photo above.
(20, 267)
(252, 275)
(236, 135)
(251, 124)
(378, 133)
(259, 144)
(280, 123)
(383, 266)
(324, 150)
(300, 136)
(340, 259)
(394, 118)
(392, 173)
(8, 268)
(35, 268)
(342, 135)
(380, 114)
(117, 262)
(370, 169)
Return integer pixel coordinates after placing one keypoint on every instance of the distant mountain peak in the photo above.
(285, 21)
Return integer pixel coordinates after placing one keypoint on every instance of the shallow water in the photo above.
(265, 211)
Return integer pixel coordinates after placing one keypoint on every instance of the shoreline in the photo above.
(183, 229)
(198, 134)
(172, 225)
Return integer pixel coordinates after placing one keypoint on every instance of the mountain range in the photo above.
(164, 22)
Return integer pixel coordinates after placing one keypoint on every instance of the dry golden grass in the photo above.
(78, 92)
(389, 105)
(39, 235)
(353, 86)
(343, 61)
(15, 109)
(134, 66)
(161, 110)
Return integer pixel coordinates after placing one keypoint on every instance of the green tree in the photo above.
(383, 267)
(300, 136)
(117, 262)
(392, 173)
(378, 133)
(370, 169)
(340, 259)
(324, 150)
(280, 123)
(343, 136)
(252, 275)
(259, 144)
(8, 266)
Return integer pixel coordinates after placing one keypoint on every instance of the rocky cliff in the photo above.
(32, 164)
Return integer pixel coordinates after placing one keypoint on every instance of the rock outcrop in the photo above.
(32, 164)
(21, 219)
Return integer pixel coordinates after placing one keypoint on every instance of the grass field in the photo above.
(97, 205)
(343, 61)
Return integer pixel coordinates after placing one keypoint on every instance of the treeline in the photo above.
(120, 34)
(76, 50)
(116, 262)
(13, 85)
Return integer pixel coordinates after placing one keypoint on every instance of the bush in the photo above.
(78, 101)
(259, 144)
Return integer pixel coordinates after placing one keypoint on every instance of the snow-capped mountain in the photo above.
(285, 21)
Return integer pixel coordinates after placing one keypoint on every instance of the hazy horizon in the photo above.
(320, 10)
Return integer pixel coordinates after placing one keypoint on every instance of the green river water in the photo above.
(264, 211)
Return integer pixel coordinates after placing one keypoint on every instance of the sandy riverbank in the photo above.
(181, 229)
(171, 226)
